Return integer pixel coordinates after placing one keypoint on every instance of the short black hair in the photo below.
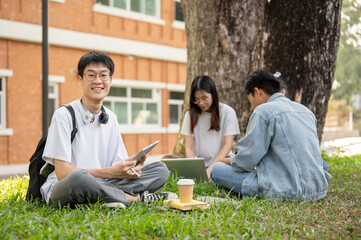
(263, 80)
(95, 57)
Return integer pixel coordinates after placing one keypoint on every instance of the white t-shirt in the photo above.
(208, 143)
(95, 145)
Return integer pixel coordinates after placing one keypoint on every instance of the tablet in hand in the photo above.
(144, 151)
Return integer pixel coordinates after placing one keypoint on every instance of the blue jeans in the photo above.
(224, 175)
(324, 165)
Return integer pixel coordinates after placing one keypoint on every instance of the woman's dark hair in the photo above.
(204, 83)
(263, 80)
(95, 57)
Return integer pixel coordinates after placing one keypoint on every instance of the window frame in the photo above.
(128, 13)
(3, 102)
(4, 74)
(175, 127)
(129, 127)
(176, 23)
(54, 80)
(177, 102)
(55, 96)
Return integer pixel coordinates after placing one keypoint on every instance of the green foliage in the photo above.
(351, 18)
(348, 65)
(338, 216)
(348, 72)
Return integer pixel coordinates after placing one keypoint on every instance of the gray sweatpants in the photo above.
(80, 187)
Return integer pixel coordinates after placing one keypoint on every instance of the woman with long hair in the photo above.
(209, 126)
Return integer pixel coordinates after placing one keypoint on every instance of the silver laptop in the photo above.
(187, 168)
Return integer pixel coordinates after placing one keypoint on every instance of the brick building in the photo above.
(146, 40)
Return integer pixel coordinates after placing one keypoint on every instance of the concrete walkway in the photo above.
(349, 146)
(12, 170)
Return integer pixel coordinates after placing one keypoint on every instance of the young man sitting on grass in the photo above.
(279, 157)
(95, 166)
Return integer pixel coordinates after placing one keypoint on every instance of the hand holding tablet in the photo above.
(144, 152)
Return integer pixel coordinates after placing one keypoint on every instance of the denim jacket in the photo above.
(281, 152)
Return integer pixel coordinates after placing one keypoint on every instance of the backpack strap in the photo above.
(46, 168)
(75, 130)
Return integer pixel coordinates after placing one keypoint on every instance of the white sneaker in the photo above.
(113, 205)
(152, 197)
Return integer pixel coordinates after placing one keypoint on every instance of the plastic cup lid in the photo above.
(185, 182)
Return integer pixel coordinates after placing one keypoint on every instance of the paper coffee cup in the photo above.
(185, 187)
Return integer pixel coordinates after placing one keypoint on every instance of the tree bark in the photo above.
(228, 40)
(224, 42)
(302, 44)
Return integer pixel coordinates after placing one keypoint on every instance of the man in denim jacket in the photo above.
(279, 157)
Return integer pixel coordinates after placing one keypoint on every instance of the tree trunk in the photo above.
(224, 42)
(228, 40)
(302, 45)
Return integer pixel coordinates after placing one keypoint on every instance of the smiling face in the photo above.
(95, 91)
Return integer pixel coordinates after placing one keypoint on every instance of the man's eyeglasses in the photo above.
(198, 100)
(90, 76)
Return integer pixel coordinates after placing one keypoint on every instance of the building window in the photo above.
(178, 16)
(4, 131)
(2, 103)
(178, 11)
(53, 94)
(175, 106)
(147, 7)
(135, 106)
(53, 100)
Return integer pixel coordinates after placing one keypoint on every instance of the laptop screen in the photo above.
(192, 168)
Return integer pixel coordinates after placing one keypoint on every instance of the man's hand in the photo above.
(225, 160)
(123, 170)
(141, 162)
(138, 167)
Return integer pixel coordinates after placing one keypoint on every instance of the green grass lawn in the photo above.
(338, 216)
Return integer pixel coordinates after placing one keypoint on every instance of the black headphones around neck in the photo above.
(103, 117)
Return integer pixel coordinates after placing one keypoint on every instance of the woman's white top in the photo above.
(208, 143)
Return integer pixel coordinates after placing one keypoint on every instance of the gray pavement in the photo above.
(348, 146)
(12, 170)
